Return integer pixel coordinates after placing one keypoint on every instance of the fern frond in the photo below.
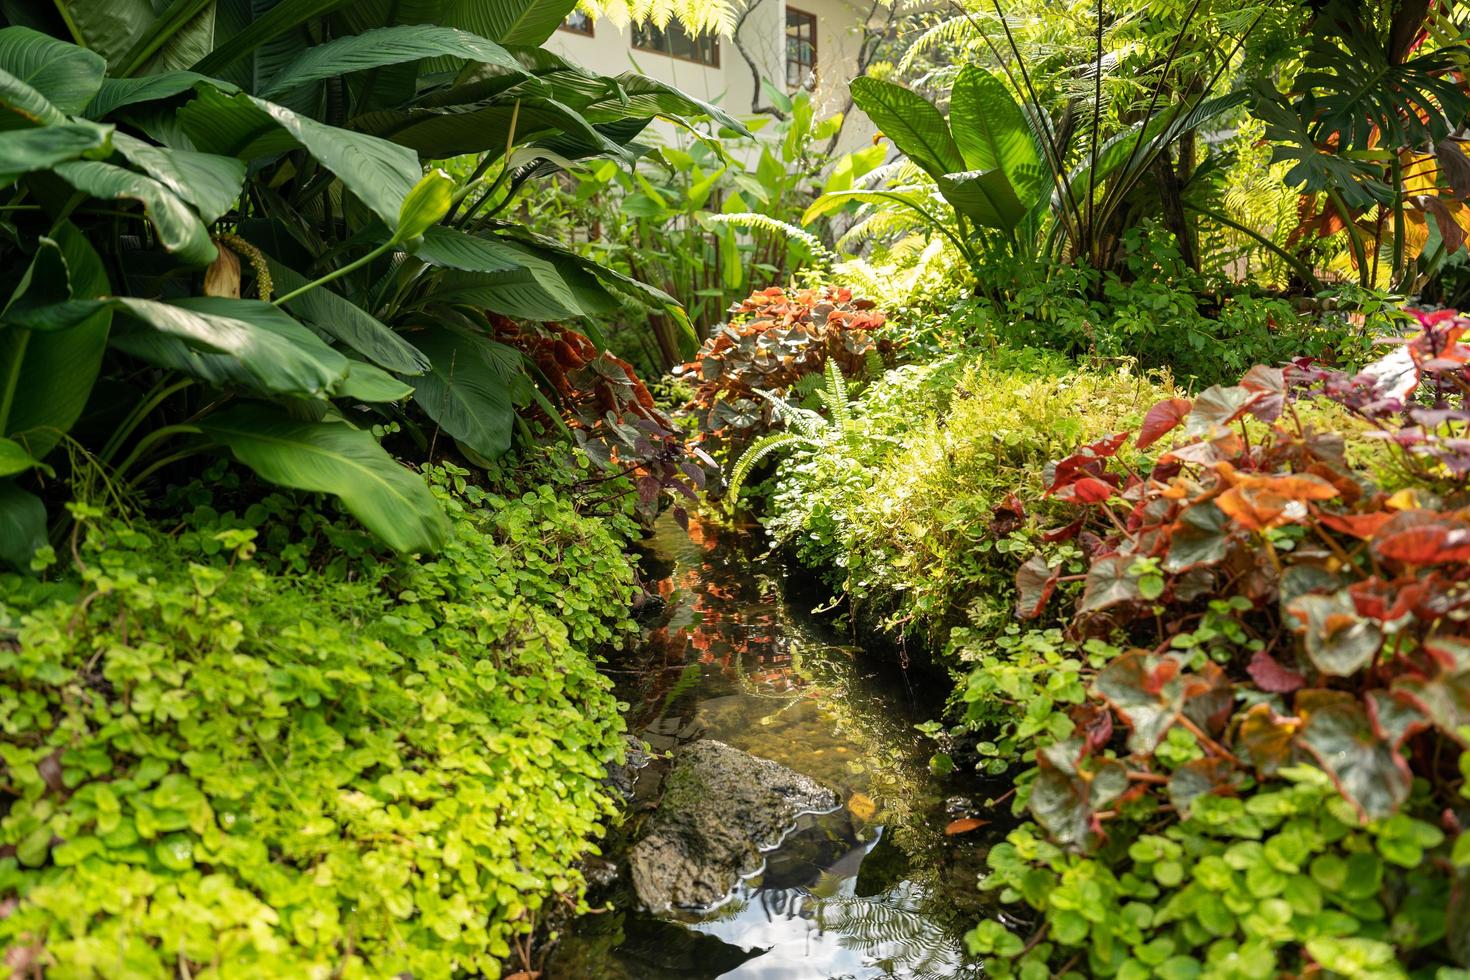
(808, 423)
(752, 456)
(836, 396)
(749, 220)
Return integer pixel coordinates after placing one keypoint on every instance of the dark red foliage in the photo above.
(1363, 595)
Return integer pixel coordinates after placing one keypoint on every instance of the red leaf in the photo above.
(1087, 490)
(1035, 581)
(1107, 445)
(1270, 385)
(1271, 676)
(1065, 533)
(1358, 525)
(964, 825)
(1162, 419)
(1431, 544)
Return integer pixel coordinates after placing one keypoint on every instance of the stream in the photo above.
(873, 889)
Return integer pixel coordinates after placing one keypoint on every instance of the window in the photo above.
(674, 41)
(578, 23)
(801, 49)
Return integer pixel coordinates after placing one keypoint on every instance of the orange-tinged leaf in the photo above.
(964, 825)
(1358, 525)
(861, 805)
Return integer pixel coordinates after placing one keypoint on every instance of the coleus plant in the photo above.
(773, 340)
(1352, 652)
(610, 413)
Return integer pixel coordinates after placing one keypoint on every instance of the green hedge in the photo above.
(307, 761)
(902, 513)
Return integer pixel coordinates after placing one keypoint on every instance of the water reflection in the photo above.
(873, 890)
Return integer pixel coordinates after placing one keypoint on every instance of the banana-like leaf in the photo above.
(241, 341)
(528, 22)
(638, 95)
(118, 93)
(178, 227)
(21, 105)
(208, 181)
(334, 458)
(985, 197)
(468, 389)
(65, 75)
(69, 360)
(367, 383)
(347, 322)
(510, 278)
(381, 174)
(276, 21)
(440, 133)
(912, 122)
(386, 46)
(22, 524)
(107, 27)
(26, 150)
(991, 132)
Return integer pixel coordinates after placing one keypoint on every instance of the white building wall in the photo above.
(732, 85)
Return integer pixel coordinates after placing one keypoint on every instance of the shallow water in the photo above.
(875, 889)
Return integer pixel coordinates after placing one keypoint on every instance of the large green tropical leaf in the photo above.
(220, 340)
(67, 76)
(118, 93)
(279, 19)
(22, 106)
(26, 150)
(991, 132)
(527, 22)
(509, 277)
(386, 46)
(437, 133)
(333, 457)
(378, 172)
(349, 323)
(468, 389)
(179, 229)
(912, 122)
(40, 414)
(985, 197)
(181, 34)
(108, 27)
(240, 341)
(1132, 152)
(208, 181)
(22, 524)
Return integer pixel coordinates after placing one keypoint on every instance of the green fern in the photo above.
(836, 395)
(759, 450)
(749, 220)
(811, 428)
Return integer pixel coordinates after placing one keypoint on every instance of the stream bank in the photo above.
(873, 888)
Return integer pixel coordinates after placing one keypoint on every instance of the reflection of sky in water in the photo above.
(837, 900)
(829, 930)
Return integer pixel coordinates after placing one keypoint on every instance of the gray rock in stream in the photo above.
(720, 808)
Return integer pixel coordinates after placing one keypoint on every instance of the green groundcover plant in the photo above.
(255, 744)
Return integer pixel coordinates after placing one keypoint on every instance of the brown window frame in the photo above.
(589, 32)
(714, 40)
(811, 72)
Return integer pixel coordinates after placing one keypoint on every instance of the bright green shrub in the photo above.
(217, 765)
(1240, 889)
(913, 512)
